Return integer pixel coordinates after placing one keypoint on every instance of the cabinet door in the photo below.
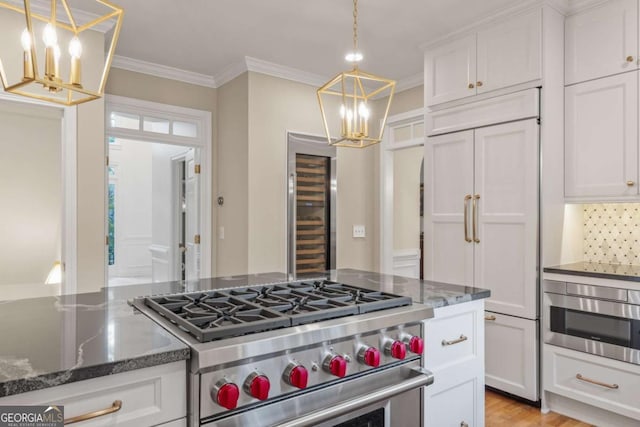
(601, 137)
(511, 350)
(509, 53)
(454, 406)
(450, 71)
(599, 41)
(448, 180)
(506, 212)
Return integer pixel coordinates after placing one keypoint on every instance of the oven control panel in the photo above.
(255, 380)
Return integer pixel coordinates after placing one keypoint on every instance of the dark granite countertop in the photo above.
(599, 270)
(57, 340)
(45, 342)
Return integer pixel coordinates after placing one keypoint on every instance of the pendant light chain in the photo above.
(355, 26)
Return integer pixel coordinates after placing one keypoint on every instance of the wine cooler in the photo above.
(312, 196)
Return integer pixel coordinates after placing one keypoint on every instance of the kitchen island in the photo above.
(78, 339)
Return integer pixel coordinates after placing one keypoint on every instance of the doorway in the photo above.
(159, 192)
(153, 202)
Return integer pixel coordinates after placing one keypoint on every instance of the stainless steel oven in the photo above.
(595, 319)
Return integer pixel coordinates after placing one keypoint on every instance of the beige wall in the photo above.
(406, 198)
(30, 190)
(233, 177)
(407, 100)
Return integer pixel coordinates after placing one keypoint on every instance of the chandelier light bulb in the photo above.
(354, 56)
(25, 39)
(49, 36)
(363, 111)
(343, 111)
(75, 47)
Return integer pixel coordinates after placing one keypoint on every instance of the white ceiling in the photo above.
(209, 36)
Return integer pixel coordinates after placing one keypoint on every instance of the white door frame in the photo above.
(69, 188)
(388, 146)
(201, 141)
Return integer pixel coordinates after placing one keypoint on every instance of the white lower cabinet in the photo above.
(511, 350)
(149, 397)
(593, 380)
(182, 422)
(454, 352)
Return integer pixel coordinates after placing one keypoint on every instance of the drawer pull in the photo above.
(115, 407)
(490, 317)
(456, 341)
(589, 380)
(463, 424)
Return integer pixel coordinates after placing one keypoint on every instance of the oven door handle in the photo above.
(419, 377)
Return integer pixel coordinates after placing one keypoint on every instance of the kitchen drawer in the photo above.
(182, 422)
(455, 405)
(618, 383)
(149, 396)
(451, 336)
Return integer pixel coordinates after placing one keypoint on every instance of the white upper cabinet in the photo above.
(601, 138)
(509, 53)
(451, 71)
(502, 55)
(601, 41)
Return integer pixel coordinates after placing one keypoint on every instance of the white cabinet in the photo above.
(601, 138)
(511, 347)
(481, 222)
(500, 56)
(454, 352)
(601, 41)
(451, 71)
(604, 383)
(148, 396)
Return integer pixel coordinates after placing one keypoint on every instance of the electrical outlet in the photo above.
(359, 231)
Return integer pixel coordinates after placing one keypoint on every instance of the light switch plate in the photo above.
(359, 231)
(221, 233)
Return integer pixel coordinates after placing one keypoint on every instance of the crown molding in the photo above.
(230, 72)
(410, 82)
(163, 71)
(283, 72)
(43, 7)
(576, 6)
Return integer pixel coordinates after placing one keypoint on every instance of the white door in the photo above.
(511, 349)
(192, 216)
(506, 211)
(601, 41)
(601, 137)
(450, 71)
(448, 250)
(509, 53)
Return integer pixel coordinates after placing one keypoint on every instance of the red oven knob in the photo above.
(257, 385)
(416, 345)
(397, 349)
(225, 393)
(335, 365)
(296, 375)
(370, 356)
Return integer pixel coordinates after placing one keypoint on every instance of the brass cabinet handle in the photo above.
(601, 384)
(475, 218)
(630, 183)
(466, 219)
(456, 341)
(479, 83)
(471, 86)
(490, 317)
(115, 407)
(629, 58)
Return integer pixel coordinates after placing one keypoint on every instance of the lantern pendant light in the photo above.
(62, 81)
(346, 101)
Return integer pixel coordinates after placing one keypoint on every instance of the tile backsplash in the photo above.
(612, 233)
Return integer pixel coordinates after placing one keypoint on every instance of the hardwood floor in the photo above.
(500, 411)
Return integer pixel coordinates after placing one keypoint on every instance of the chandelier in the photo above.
(345, 100)
(59, 70)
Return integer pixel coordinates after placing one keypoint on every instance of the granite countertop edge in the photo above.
(438, 302)
(53, 379)
(571, 269)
